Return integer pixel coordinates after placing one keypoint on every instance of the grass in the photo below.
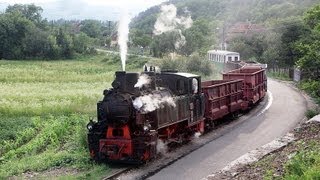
(310, 113)
(305, 164)
(44, 108)
(312, 87)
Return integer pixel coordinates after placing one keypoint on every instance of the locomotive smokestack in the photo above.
(120, 80)
(125, 82)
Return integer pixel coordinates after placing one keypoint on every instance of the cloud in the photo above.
(26, 1)
(128, 3)
(86, 9)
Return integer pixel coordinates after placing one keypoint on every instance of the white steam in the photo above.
(195, 85)
(151, 102)
(169, 22)
(142, 81)
(197, 134)
(161, 147)
(123, 31)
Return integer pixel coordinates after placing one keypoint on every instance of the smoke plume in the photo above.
(197, 134)
(162, 147)
(151, 102)
(123, 31)
(169, 22)
(142, 81)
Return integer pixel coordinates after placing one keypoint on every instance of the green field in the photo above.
(44, 108)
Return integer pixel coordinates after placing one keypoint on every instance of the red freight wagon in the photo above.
(254, 82)
(222, 97)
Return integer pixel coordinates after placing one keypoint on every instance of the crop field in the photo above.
(44, 109)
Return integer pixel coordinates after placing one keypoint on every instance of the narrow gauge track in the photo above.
(176, 154)
(117, 173)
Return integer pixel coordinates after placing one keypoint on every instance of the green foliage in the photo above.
(193, 64)
(173, 64)
(312, 17)
(308, 46)
(198, 37)
(275, 45)
(251, 47)
(45, 106)
(139, 38)
(82, 43)
(91, 27)
(268, 175)
(311, 113)
(294, 30)
(145, 21)
(13, 31)
(29, 11)
(304, 165)
(312, 87)
(25, 35)
(65, 43)
(164, 43)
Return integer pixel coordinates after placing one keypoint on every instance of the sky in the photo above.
(85, 9)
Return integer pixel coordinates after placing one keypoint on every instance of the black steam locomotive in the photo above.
(141, 109)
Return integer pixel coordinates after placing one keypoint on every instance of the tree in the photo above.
(139, 38)
(251, 47)
(164, 43)
(198, 36)
(35, 43)
(64, 41)
(309, 46)
(52, 49)
(293, 30)
(82, 42)
(312, 18)
(13, 31)
(92, 28)
(29, 11)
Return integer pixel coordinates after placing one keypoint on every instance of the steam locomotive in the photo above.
(142, 108)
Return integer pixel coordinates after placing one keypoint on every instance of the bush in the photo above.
(173, 64)
(311, 113)
(304, 165)
(194, 64)
(312, 87)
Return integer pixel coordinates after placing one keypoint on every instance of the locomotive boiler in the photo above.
(142, 109)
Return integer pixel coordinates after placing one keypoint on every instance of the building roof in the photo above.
(221, 52)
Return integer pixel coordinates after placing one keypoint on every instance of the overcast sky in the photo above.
(86, 9)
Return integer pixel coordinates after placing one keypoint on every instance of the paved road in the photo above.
(285, 110)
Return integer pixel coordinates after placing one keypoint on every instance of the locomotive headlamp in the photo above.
(90, 125)
(146, 128)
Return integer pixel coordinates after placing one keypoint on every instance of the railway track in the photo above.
(117, 173)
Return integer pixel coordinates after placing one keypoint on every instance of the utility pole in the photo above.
(224, 37)
(109, 22)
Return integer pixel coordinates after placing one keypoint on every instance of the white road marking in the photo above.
(270, 100)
